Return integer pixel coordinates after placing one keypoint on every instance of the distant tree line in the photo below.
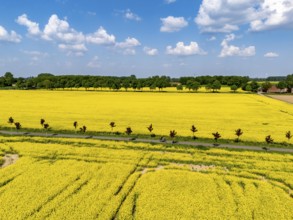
(286, 83)
(270, 78)
(7, 80)
(213, 83)
(49, 81)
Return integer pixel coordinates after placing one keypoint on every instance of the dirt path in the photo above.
(155, 141)
(9, 159)
(284, 98)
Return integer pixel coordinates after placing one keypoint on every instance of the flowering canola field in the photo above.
(91, 179)
(256, 115)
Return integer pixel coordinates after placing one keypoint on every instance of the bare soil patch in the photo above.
(144, 171)
(196, 167)
(201, 167)
(9, 159)
(160, 167)
(284, 98)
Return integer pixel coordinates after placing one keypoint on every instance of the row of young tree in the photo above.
(173, 133)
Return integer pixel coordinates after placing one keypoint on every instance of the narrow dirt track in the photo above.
(185, 143)
(284, 98)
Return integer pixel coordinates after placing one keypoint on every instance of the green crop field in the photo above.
(91, 179)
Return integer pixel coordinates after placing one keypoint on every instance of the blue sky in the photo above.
(147, 37)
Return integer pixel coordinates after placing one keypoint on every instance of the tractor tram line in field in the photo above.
(151, 141)
(127, 179)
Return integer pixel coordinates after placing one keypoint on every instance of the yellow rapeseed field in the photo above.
(256, 115)
(91, 179)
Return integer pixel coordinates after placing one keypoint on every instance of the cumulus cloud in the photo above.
(33, 27)
(12, 37)
(150, 51)
(68, 39)
(55, 26)
(185, 50)
(60, 29)
(131, 16)
(226, 16)
(55, 29)
(129, 42)
(173, 24)
(101, 37)
(128, 46)
(273, 14)
(76, 47)
(271, 55)
(231, 50)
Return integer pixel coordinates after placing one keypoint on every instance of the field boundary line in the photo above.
(151, 141)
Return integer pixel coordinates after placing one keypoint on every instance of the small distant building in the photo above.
(275, 89)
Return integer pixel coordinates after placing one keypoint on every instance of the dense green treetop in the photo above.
(50, 81)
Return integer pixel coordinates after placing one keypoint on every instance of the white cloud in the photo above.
(150, 51)
(273, 14)
(185, 50)
(33, 27)
(226, 16)
(73, 49)
(55, 29)
(9, 37)
(71, 41)
(101, 37)
(227, 28)
(271, 55)
(231, 50)
(94, 62)
(127, 47)
(172, 24)
(170, 1)
(131, 16)
(76, 47)
(60, 30)
(55, 25)
(212, 38)
(129, 42)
